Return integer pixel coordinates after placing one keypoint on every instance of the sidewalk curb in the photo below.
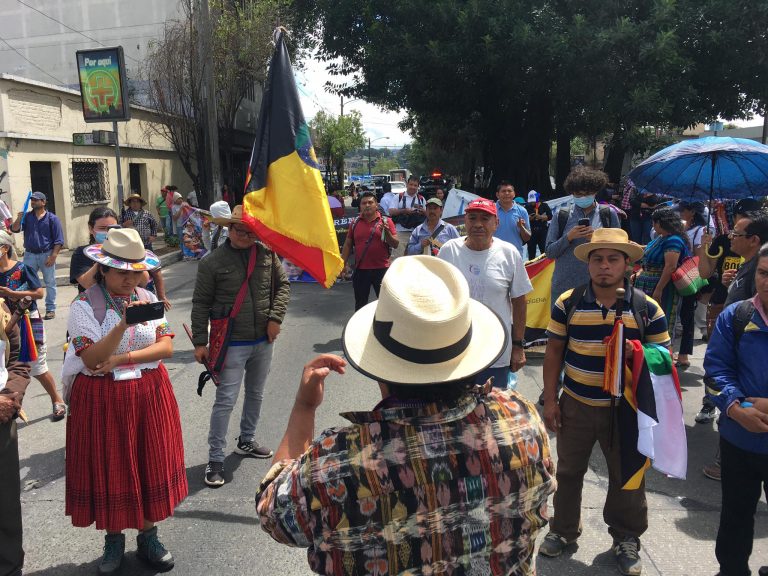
(165, 261)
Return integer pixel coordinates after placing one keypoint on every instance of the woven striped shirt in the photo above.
(590, 325)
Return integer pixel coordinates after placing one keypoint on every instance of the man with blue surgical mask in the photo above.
(573, 226)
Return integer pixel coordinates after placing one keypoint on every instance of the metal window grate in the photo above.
(89, 181)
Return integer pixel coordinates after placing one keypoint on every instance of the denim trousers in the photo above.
(167, 223)
(248, 365)
(36, 263)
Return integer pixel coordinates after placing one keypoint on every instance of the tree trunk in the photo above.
(563, 159)
(614, 160)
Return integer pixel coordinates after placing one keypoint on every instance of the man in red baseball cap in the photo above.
(496, 275)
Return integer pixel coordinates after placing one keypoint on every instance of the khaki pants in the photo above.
(625, 511)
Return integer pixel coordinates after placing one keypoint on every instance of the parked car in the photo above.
(428, 184)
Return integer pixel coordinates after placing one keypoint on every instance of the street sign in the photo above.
(83, 139)
(104, 137)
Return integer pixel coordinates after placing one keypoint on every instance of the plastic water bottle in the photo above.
(512, 380)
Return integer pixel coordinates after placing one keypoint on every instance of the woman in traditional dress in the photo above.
(124, 452)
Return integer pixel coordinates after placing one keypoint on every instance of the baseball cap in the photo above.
(533, 196)
(482, 205)
(435, 201)
(747, 205)
(39, 196)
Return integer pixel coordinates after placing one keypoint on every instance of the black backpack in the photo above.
(741, 317)
(564, 214)
(639, 307)
(410, 221)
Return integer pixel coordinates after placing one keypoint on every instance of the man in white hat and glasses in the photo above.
(443, 475)
(241, 263)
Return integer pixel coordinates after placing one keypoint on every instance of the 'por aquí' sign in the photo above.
(103, 84)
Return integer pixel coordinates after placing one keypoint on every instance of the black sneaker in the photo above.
(553, 545)
(214, 474)
(151, 550)
(114, 548)
(627, 553)
(252, 448)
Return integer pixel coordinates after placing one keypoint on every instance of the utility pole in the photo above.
(212, 178)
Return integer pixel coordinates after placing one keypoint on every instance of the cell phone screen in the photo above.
(144, 312)
(583, 221)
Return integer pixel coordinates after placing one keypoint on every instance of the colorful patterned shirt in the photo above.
(431, 489)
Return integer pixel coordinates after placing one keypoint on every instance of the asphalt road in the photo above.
(216, 532)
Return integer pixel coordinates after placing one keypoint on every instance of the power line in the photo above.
(33, 64)
(90, 30)
(69, 28)
(36, 46)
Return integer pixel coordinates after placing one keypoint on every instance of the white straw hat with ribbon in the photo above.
(424, 328)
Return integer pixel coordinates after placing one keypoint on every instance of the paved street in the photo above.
(215, 531)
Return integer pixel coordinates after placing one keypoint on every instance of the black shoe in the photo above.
(49, 315)
(252, 448)
(214, 474)
(151, 550)
(627, 552)
(114, 548)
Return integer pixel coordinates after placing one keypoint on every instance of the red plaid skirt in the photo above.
(124, 455)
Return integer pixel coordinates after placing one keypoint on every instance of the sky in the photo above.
(377, 123)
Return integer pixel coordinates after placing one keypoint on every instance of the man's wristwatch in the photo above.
(518, 343)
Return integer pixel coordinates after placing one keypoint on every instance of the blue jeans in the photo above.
(167, 223)
(36, 263)
(253, 362)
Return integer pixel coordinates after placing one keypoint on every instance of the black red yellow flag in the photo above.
(285, 200)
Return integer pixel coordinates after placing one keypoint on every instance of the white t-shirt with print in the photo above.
(495, 276)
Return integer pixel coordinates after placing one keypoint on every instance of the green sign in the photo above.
(83, 139)
(103, 86)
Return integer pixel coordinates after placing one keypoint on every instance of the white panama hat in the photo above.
(424, 328)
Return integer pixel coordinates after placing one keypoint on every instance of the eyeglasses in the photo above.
(733, 234)
(241, 231)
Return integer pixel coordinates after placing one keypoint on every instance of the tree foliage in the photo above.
(497, 81)
(334, 136)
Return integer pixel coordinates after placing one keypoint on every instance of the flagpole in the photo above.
(618, 319)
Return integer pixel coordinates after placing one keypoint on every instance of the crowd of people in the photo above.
(452, 470)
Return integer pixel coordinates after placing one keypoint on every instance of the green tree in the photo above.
(497, 81)
(384, 165)
(334, 137)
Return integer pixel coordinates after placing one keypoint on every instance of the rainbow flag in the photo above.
(285, 201)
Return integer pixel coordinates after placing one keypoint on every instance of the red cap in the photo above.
(482, 205)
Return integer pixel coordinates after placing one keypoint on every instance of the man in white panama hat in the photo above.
(443, 475)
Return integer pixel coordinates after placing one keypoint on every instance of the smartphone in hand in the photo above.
(583, 221)
(144, 312)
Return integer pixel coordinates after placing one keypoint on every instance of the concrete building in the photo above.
(37, 121)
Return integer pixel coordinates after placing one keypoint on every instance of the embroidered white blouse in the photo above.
(84, 330)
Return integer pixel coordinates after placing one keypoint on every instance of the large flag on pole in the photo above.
(285, 200)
